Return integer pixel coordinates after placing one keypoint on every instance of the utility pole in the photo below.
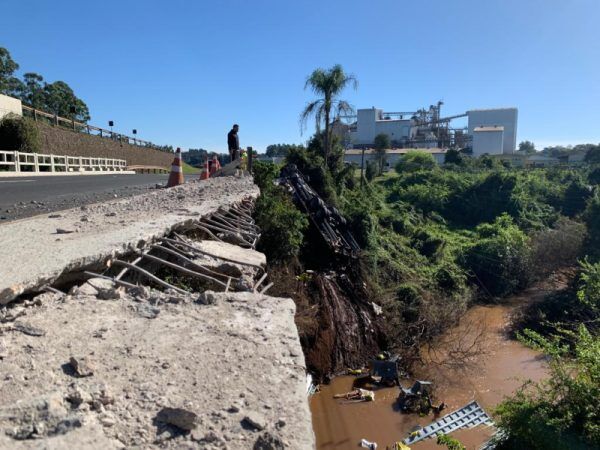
(362, 167)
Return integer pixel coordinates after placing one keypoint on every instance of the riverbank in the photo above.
(497, 366)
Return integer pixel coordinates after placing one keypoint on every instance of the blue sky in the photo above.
(182, 72)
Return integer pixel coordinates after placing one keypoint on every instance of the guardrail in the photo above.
(18, 162)
(149, 169)
(53, 119)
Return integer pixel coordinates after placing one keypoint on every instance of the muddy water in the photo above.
(495, 366)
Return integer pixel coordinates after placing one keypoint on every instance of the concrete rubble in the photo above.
(107, 367)
(35, 251)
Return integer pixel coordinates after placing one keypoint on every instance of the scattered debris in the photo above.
(417, 398)
(255, 421)
(82, 366)
(179, 417)
(267, 441)
(359, 395)
(147, 311)
(327, 219)
(368, 444)
(468, 416)
(64, 231)
(29, 330)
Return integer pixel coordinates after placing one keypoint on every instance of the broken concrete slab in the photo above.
(43, 256)
(232, 253)
(237, 358)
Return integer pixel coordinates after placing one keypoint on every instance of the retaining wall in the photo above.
(60, 141)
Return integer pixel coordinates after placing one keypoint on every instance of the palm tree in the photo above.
(327, 84)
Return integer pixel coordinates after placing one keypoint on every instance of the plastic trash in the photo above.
(368, 444)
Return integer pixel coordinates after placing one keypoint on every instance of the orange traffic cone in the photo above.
(176, 177)
(206, 171)
(214, 166)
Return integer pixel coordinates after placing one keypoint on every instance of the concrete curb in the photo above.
(61, 174)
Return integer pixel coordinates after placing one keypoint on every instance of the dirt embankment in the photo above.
(339, 328)
(60, 141)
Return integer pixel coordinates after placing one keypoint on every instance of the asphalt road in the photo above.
(25, 197)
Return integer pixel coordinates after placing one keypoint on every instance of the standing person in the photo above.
(233, 143)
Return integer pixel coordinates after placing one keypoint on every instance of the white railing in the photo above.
(13, 161)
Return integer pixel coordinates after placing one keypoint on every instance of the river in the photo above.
(497, 368)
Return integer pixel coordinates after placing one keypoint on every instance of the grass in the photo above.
(190, 170)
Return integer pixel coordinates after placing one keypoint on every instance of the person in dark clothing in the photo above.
(233, 143)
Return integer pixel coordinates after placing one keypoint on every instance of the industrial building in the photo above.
(488, 131)
(355, 156)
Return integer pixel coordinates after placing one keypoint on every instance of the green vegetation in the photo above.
(382, 143)
(327, 83)
(561, 412)
(19, 133)
(281, 149)
(280, 221)
(57, 97)
(435, 239)
(527, 147)
(190, 170)
(450, 442)
(414, 161)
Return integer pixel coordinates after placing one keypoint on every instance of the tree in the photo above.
(32, 91)
(527, 147)
(328, 84)
(593, 155)
(274, 150)
(60, 98)
(454, 156)
(415, 160)
(371, 170)
(9, 85)
(382, 143)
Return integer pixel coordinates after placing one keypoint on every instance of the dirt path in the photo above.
(504, 365)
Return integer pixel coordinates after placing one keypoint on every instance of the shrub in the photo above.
(594, 176)
(282, 225)
(562, 412)
(415, 160)
(265, 174)
(19, 133)
(553, 248)
(592, 220)
(371, 170)
(500, 260)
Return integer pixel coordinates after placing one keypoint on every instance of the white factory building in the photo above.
(488, 131)
(493, 131)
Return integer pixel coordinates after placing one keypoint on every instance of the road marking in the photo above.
(17, 181)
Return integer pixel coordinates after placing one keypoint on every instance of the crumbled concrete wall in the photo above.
(38, 250)
(61, 141)
(231, 373)
(104, 368)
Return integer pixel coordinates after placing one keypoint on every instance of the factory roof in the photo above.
(488, 128)
(396, 151)
(493, 109)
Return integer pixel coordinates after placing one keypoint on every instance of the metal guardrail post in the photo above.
(17, 165)
(249, 156)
